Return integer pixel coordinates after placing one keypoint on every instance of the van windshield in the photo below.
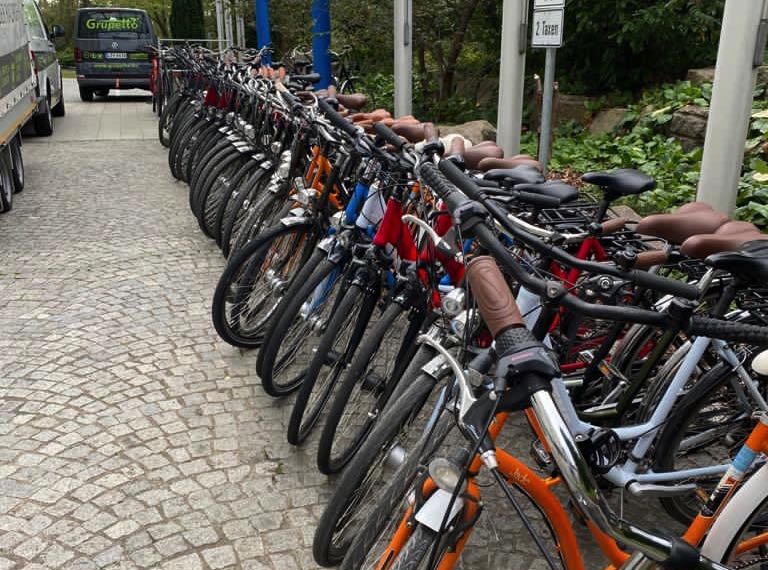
(100, 24)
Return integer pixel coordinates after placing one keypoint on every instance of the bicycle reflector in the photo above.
(446, 474)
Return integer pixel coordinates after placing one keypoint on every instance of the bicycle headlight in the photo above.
(446, 474)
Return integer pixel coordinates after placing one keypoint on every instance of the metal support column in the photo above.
(403, 57)
(321, 41)
(512, 75)
(545, 135)
(220, 23)
(240, 27)
(262, 27)
(228, 23)
(731, 105)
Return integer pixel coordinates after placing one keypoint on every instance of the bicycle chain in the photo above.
(751, 562)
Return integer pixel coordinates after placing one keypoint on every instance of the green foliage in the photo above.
(642, 143)
(187, 19)
(625, 44)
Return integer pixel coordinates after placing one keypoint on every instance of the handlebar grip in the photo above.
(388, 135)
(730, 331)
(431, 132)
(497, 305)
(459, 179)
(538, 200)
(662, 284)
(337, 120)
(647, 259)
(429, 173)
(612, 226)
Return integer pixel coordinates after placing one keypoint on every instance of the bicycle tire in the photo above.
(177, 146)
(287, 330)
(214, 163)
(167, 116)
(267, 207)
(213, 194)
(201, 168)
(208, 137)
(364, 386)
(321, 374)
(231, 193)
(247, 262)
(708, 396)
(329, 546)
(394, 495)
(238, 207)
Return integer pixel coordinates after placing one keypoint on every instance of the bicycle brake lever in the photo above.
(442, 245)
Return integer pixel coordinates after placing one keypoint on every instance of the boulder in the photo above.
(607, 121)
(572, 108)
(476, 131)
(689, 126)
(707, 75)
(702, 75)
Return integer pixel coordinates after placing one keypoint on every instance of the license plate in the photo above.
(115, 55)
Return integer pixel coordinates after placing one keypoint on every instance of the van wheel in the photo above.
(17, 164)
(102, 92)
(6, 183)
(86, 94)
(44, 119)
(58, 109)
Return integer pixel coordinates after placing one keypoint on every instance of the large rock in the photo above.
(707, 75)
(476, 131)
(607, 121)
(689, 126)
(703, 75)
(572, 108)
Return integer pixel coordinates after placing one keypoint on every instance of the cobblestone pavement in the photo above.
(130, 436)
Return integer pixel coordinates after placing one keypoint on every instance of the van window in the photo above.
(34, 22)
(100, 24)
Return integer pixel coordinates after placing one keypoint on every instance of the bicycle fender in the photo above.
(431, 515)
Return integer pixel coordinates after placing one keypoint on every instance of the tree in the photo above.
(187, 19)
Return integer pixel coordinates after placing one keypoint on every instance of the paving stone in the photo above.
(220, 557)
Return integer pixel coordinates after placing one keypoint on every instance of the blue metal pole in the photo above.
(262, 27)
(321, 41)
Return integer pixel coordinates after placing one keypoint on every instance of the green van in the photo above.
(112, 50)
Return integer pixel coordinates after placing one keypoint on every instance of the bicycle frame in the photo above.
(646, 432)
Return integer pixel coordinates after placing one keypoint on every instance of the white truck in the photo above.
(18, 101)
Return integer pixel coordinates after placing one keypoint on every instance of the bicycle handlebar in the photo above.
(642, 278)
(337, 120)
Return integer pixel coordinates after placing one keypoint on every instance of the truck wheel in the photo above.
(58, 110)
(6, 182)
(86, 94)
(17, 164)
(44, 119)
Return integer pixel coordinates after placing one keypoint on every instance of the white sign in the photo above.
(547, 29)
(547, 4)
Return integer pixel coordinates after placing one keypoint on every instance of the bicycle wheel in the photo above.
(365, 386)
(366, 476)
(179, 145)
(249, 289)
(330, 356)
(292, 335)
(237, 207)
(707, 427)
(260, 214)
(216, 164)
(208, 138)
(213, 195)
(230, 193)
(167, 116)
(372, 538)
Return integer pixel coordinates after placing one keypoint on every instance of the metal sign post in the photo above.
(512, 75)
(403, 58)
(547, 33)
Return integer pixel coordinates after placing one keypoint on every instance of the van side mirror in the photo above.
(57, 31)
